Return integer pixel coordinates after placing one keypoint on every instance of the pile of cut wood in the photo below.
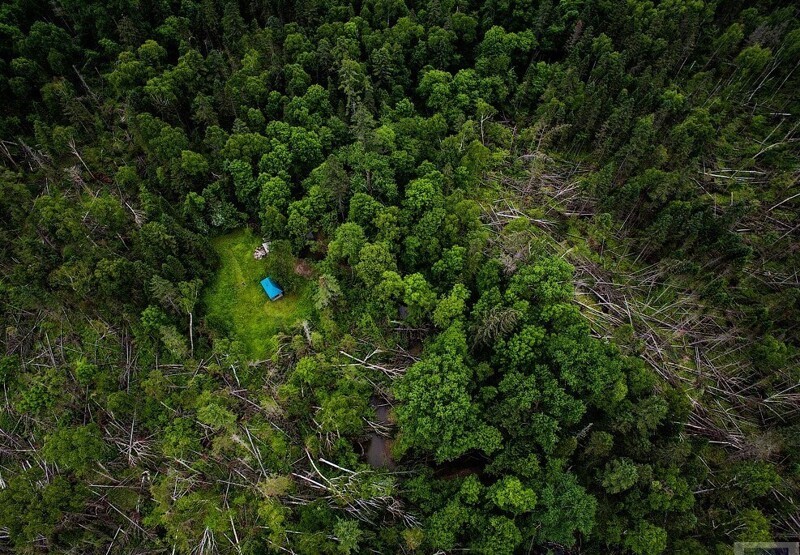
(261, 251)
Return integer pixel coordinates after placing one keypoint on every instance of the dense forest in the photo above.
(539, 260)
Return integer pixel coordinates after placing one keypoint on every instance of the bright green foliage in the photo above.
(180, 439)
(347, 244)
(753, 526)
(85, 371)
(564, 508)
(451, 307)
(191, 517)
(374, 260)
(438, 413)
(348, 534)
(502, 537)
(756, 478)
(392, 287)
(619, 475)
(75, 448)
(274, 192)
(193, 163)
(215, 415)
(647, 539)
(419, 297)
(510, 495)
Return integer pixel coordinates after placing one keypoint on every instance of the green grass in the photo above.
(236, 304)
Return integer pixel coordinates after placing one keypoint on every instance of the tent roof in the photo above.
(271, 288)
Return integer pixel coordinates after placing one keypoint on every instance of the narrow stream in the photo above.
(379, 448)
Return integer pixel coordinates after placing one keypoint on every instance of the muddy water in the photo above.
(379, 448)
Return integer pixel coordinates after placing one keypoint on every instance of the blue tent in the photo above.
(271, 289)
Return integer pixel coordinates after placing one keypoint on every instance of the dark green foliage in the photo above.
(551, 249)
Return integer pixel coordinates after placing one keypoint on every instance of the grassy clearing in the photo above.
(236, 304)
